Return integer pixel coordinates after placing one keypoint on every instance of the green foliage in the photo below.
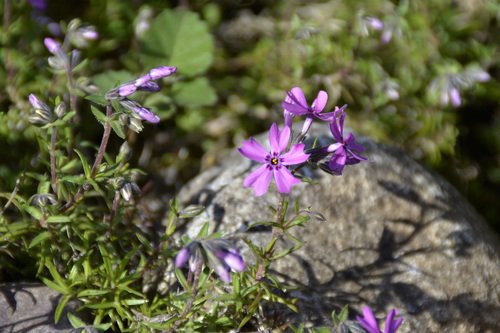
(76, 230)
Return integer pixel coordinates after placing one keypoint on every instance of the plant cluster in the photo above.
(85, 226)
(77, 214)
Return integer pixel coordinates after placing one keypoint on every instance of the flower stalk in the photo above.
(53, 162)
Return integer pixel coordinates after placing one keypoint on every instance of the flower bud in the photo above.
(125, 153)
(141, 111)
(129, 189)
(162, 71)
(60, 110)
(52, 45)
(42, 200)
(135, 124)
(149, 86)
(191, 211)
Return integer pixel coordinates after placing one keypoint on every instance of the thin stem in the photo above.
(6, 16)
(53, 166)
(71, 88)
(98, 160)
(276, 233)
(104, 141)
(189, 303)
(279, 209)
(114, 209)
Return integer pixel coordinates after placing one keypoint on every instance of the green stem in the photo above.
(97, 162)
(53, 165)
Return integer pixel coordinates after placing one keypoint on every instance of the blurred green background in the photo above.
(420, 75)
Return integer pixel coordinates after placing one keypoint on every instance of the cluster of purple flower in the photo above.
(369, 322)
(277, 161)
(144, 83)
(218, 254)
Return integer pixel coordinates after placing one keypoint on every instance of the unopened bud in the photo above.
(129, 189)
(162, 71)
(135, 124)
(60, 110)
(125, 153)
(191, 211)
(42, 200)
(52, 45)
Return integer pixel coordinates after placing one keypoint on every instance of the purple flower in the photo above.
(218, 254)
(40, 5)
(451, 95)
(374, 23)
(274, 162)
(296, 104)
(143, 82)
(141, 111)
(344, 150)
(162, 71)
(52, 45)
(369, 323)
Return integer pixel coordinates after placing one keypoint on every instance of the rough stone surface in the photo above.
(396, 236)
(29, 308)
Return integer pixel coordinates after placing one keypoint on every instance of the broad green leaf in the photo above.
(178, 38)
(109, 80)
(195, 93)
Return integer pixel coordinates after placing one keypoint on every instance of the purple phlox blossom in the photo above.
(52, 45)
(274, 162)
(374, 23)
(344, 150)
(39, 5)
(143, 82)
(296, 104)
(218, 254)
(141, 111)
(369, 322)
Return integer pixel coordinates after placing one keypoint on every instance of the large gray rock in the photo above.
(395, 236)
(29, 308)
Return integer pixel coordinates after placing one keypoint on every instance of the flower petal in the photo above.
(284, 138)
(235, 261)
(350, 141)
(329, 116)
(259, 180)
(336, 132)
(306, 125)
(223, 272)
(284, 179)
(392, 325)
(253, 150)
(338, 160)
(182, 257)
(368, 321)
(295, 155)
(297, 96)
(295, 109)
(274, 138)
(320, 102)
